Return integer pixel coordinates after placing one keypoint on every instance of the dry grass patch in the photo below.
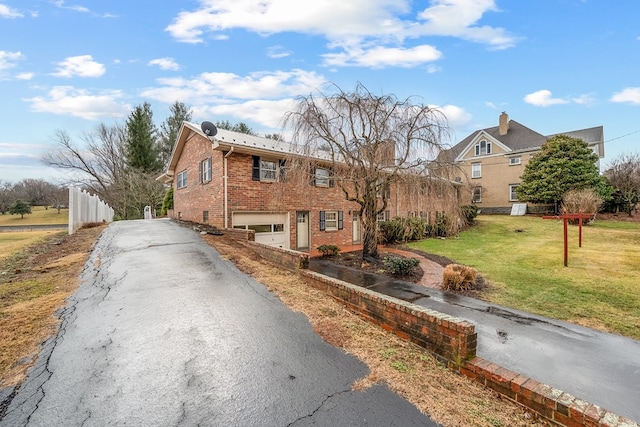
(34, 284)
(407, 369)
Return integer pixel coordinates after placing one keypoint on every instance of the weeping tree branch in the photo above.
(370, 140)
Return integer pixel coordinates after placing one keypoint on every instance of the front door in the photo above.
(357, 229)
(302, 230)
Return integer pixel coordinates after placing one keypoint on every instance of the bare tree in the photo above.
(100, 168)
(7, 196)
(372, 141)
(98, 165)
(624, 175)
(36, 192)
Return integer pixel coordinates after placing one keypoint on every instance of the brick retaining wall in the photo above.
(450, 339)
(553, 404)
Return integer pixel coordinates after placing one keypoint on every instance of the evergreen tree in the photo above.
(237, 127)
(169, 130)
(20, 208)
(563, 163)
(141, 147)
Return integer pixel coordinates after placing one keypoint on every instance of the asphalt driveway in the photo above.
(162, 331)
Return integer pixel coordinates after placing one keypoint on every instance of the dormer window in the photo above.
(483, 148)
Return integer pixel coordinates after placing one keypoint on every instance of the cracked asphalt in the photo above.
(162, 331)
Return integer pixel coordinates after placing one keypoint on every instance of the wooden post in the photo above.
(565, 218)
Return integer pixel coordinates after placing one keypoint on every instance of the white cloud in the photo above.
(278, 52)
(459, 18)
(457, 117)
(66, 100)
(82, 66)
(24, 76)
(77, 8)
(379, 57)
(265, 112)
(359, 28)
(7, 12)
(165, 63)
(543, 98)
(7, 59)
(220, 87)
(630, 95)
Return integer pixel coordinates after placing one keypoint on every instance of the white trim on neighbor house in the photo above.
(476, 170)
(513, 197)
(482, 135)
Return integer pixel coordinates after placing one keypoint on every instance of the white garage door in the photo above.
(271, 228)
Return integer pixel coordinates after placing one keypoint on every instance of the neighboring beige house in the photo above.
(491, 161)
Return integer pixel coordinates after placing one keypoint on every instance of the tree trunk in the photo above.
(369, 230)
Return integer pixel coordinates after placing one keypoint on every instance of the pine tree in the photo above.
(141, 146)
(20, 208)
(169, 130)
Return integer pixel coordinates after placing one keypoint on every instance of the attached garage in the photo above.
(272, 228)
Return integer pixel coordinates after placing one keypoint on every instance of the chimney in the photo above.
(504, 124)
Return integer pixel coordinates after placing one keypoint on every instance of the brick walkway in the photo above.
(432, 277)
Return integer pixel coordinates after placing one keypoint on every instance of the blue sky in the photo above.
(552, 65)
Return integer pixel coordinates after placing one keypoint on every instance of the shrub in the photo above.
(402, 229)
(167, 203)
(458, 277)
(469, 212)
(400, 266)
(329, 250)
(585, 200)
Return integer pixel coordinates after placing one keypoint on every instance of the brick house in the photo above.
(491, 161)
(235, 180)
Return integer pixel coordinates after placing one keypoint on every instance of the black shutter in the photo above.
(312, 172)
(340, 220)
(255, 173)
(283, 170)
(200, 173)
(331, 181)
(322, 221)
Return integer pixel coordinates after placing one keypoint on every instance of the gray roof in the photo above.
(522, 138)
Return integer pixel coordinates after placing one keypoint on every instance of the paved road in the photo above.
(601, 368)
(162, 332)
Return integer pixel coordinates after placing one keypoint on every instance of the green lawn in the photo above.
(38, 216)
(523, 258)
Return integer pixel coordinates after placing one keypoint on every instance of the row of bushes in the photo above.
(407, 229)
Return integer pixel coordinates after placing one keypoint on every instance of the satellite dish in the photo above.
(209, 128)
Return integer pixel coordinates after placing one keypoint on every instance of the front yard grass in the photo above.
(523, 259)
(38, 216)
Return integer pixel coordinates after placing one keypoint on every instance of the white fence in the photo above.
(85, 208)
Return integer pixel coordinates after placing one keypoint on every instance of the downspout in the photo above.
(225, 177)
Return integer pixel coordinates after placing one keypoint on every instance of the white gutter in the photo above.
(225, 177)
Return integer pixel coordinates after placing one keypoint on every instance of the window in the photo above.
(483, 148)
(476, 170)
(331, 220)
(383, 216)
(476, 195)
(321, 178)
(204, 171)
(514, 161)
(513, 195)
(266, 169)
(205, 217)
(181, 179)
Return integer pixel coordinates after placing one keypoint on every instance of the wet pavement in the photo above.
(601, 368)
(163, 332)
